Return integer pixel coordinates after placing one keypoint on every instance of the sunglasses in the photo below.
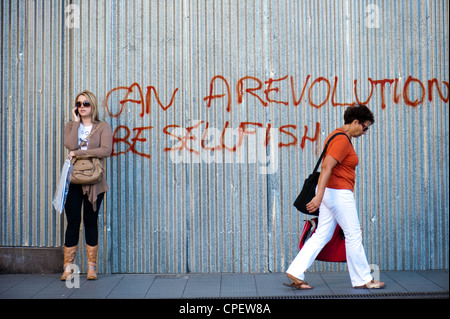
(365, 127)
(85, 104)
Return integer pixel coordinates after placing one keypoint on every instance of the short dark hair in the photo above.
(358, 112)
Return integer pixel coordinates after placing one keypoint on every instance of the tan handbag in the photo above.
(86, 170)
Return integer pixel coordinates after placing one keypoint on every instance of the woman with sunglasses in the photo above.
(336, 203)
(85, 120)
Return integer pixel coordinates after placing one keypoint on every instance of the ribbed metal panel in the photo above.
(32, 118)
(153, 65)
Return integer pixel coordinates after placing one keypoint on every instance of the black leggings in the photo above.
(75, 199)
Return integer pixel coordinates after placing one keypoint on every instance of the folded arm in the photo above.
(104, 149)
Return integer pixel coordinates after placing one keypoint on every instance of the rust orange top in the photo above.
(343, 174)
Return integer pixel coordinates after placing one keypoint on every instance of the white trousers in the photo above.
(338, 206)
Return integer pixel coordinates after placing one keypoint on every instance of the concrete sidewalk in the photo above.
(431, 284)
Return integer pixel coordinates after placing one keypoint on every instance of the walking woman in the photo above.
(336, 203)
(85, 120)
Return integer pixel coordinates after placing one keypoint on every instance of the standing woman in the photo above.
(336, 203)
(85, 119)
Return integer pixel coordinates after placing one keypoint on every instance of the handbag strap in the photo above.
(325, 149)
(84, 142)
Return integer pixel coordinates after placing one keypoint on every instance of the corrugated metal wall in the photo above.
(187, 75)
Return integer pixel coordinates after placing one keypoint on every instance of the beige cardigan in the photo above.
(100, 145)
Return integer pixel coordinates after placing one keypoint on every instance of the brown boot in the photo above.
(69, 257)
(92, 262)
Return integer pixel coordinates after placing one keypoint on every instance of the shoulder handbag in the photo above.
(86, 170)
(309, 186)
(334, 250)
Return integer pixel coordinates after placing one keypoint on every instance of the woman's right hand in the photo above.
(314, 204)
(76, 118)
(71, 155)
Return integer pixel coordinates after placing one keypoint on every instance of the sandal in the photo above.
(372, 285)
(300, 286)
(297, 283)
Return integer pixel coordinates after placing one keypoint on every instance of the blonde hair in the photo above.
(94, 103)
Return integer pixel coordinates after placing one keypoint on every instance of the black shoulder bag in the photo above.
(309, 186)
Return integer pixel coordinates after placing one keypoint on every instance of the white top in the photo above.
(83, 132)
